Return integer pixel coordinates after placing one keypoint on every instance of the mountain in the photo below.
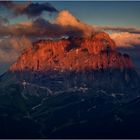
(70, 88)
(73, 54)
(74, 62)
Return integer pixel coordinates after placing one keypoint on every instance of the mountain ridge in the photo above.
(77, 62)
(73, 54)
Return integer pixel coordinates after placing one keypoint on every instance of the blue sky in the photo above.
(115, 13)
(104, 13)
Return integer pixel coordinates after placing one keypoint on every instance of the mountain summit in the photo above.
(88, 61)
(96, 52)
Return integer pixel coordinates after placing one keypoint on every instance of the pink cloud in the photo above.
(126, 39)
(129, 29)
(65, 18)
(11, 48)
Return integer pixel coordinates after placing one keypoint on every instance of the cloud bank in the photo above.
(65, 24)
(66, 19)
(3, 20)
(28, 8)
(126, 39)
(133, 30)
(11, 48)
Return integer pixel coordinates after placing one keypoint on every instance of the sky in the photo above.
(105, 12)
(21, 23)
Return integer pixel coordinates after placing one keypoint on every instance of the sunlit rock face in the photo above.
(75, 62)
(96, 52)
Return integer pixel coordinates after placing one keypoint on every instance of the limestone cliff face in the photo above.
(76, 62)
(96, 52)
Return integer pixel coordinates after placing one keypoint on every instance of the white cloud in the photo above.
(126, 39)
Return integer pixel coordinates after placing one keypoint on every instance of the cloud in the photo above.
(3, 20)
(65, 24)
(39, 28)
(120, 29)
(16, 8)
(65, 18)
(36, 9)
(11, 48)
(28, 8)
(7, 53)
(19, 44)
(126, 39)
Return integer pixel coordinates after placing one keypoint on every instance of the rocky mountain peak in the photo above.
(72, 54)
(74, 62)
